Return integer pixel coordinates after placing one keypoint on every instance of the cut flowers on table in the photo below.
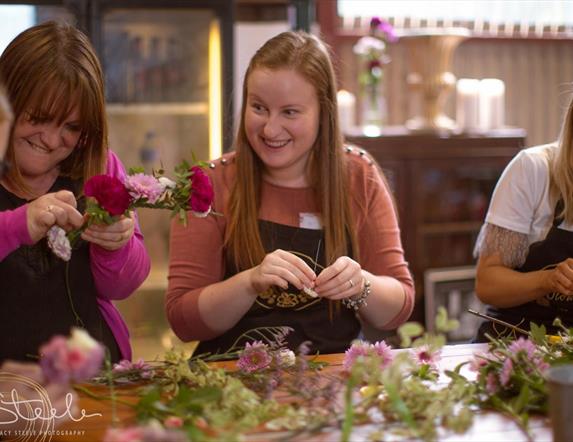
(109, 198)
(382, 394)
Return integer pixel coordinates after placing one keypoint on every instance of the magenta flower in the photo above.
(479, 361)
(523, 347)
(491, 383)
(384, 352)
(357, 349)
(142, 186)
(201, 192)
(423, 355)
(75, 359)
(59, 243)
(506, 372)
(254, 357)
(109, 192)
(173, 422)
(361, 349)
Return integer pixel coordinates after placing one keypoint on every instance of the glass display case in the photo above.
(169, 77)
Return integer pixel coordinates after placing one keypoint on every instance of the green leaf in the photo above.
(537, 333)
(443, 324)
(408, 331)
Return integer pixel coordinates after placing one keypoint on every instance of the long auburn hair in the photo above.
(327, 171)
(5, 109)
(49, 69)
(562, 167)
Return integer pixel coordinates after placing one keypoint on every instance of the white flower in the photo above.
(367, 44)
(59, 243)
(81, 340)
(310, 292)
(166, 183)
(285, 358)
(201, 214)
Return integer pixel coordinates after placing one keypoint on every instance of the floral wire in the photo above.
(69, 293)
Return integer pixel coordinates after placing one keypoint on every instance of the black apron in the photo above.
(329, 328)
(34, 303)
(545, 254)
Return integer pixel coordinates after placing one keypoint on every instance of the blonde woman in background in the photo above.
(525, 248)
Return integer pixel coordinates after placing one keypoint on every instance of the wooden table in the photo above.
(488, 426)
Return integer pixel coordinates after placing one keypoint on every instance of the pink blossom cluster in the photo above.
(74, 359)
(140, 366)
(361, 349)
(258, 356)
(424, 355)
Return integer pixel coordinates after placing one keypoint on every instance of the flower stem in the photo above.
(69, 293)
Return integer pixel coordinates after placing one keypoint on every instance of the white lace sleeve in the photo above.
(511, 246)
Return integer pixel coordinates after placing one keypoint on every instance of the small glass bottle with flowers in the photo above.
(371, 51)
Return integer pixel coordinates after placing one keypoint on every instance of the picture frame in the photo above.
(454, 289)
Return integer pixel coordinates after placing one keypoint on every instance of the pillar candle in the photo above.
(346, 110)
(467, 104)
(492, 103)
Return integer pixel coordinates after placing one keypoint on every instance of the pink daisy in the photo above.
(254, 357)
(141, 186)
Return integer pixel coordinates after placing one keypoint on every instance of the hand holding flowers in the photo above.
(108, 219)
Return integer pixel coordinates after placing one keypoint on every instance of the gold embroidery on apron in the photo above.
(275, 297)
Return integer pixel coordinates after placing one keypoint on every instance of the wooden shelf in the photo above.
(450, 227)
(199, 108)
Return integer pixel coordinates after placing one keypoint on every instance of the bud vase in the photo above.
(373, 113)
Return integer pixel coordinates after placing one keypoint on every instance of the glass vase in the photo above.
(373, 109)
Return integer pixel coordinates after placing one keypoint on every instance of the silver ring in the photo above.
(49, 208)
(351, 283)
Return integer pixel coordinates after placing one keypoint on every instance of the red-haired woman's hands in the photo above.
(281, 268)
(340, 280)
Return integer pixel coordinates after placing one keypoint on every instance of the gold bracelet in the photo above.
(355, 304)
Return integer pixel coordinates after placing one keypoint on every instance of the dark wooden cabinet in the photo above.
(442, 186)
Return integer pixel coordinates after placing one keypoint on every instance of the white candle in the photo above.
(346, 110)
(492, 103)
(467, 104)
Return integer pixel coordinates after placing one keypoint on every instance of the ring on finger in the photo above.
(351, 283)
(49, 208)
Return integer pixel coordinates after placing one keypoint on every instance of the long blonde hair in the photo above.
(562, 167)
(328, 177)
(49, 69)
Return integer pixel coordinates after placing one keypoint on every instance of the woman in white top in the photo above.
(525, 248)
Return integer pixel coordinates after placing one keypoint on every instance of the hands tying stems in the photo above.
(341, 280)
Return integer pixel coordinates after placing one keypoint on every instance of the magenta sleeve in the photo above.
(13, 230)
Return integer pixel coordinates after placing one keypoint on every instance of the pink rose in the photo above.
(201, 192)
(109, 192)
(76, 359)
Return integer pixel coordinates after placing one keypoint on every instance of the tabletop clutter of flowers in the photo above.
(384, 394)
(110, 198)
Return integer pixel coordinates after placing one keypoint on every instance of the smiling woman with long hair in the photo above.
(308, 237)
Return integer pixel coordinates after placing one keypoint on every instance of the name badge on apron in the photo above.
(308, 220)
